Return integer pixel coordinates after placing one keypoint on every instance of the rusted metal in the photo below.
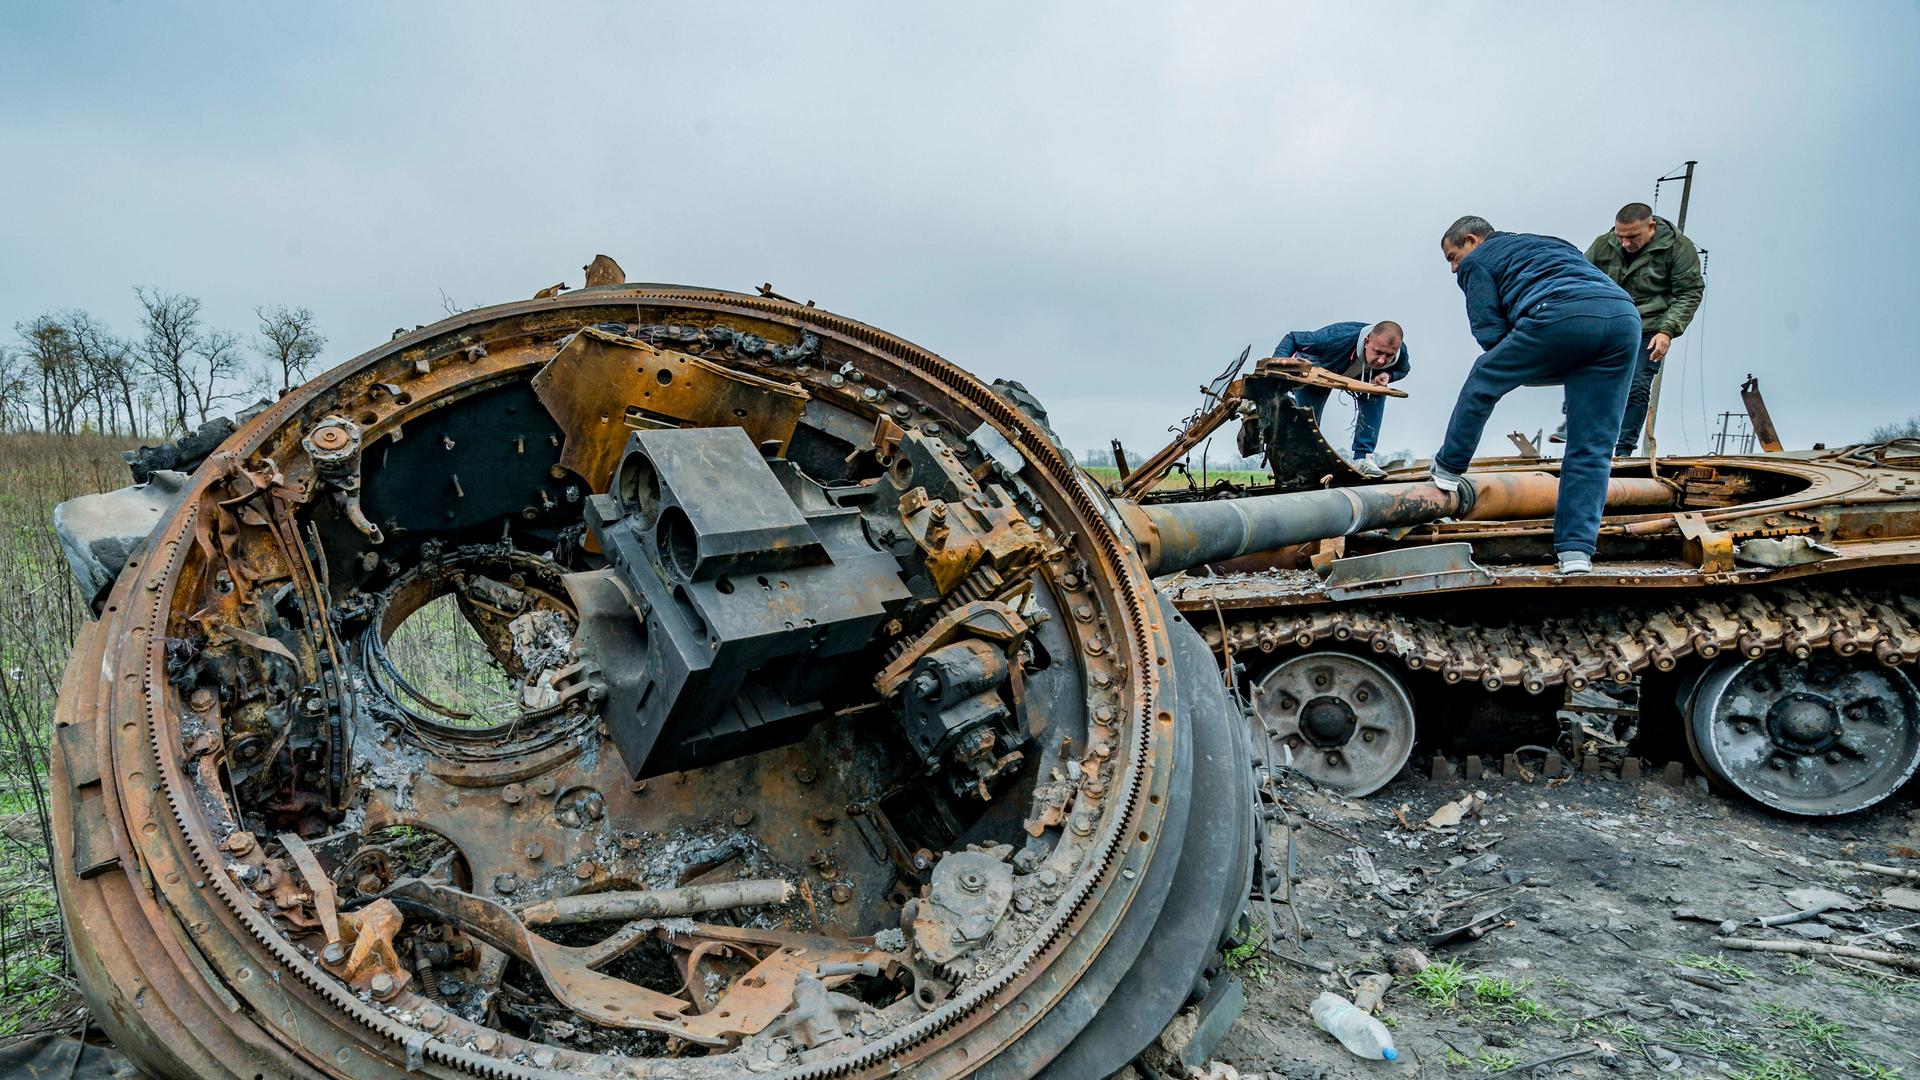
(1141, 480)
(1185, 535)
(238, 688)
(1404, 572)
(1757, 414)
(601, 387)
(1831, 540)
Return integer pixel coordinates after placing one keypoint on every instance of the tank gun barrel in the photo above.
(1179, 536)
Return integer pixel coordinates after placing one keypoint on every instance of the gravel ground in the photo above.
(1603, 898)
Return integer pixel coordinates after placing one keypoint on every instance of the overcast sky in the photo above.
(1106, 201)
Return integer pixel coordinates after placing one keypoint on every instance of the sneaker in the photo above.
(1559, 434)
(1444, 480)
(1367, 467)
(1575, 562)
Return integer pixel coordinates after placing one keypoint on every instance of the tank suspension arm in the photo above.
(1179, 536)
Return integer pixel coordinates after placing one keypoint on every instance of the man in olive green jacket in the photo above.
(1660, 268)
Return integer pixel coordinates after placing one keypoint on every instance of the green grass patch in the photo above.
(1717, 965)
(1440, 983)
(1809, 1028)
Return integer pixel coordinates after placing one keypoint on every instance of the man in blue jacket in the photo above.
(1376, 353)
(1545, 316)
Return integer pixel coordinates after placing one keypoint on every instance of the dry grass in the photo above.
(40, 612)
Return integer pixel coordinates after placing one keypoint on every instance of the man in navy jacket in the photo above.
(1377, 353)
(1545, 316)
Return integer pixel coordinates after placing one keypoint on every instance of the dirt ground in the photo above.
(1608, 895)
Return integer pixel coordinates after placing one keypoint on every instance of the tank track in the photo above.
(1605, 643)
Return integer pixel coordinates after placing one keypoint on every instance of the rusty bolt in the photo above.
(637, 786)
(922, 859)
(842, 894)
(238, 844)
(742, 817)
(585, 870)
(819, 860)
(972, 882)
(329, 437)
(805, 774)
(202, 699)
(506, 884)
(512, 794)
(939, 511)
(335, 953)
(382, 986)
(486, 1042)
(545, 786)
(1103, 714)
(535, 850)
(432, 1018)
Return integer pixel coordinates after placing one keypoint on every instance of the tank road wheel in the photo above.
(1817, 737)
(1346, 721)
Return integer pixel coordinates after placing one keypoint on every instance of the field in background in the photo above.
(40, 612)
(1107, 474)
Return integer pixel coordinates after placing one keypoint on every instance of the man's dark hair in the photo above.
(1388, 326)
(1634, 213)
(1471, 225)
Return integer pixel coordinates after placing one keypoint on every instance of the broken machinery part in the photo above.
(837, 728)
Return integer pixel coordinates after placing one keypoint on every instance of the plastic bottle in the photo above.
(1356, 1031)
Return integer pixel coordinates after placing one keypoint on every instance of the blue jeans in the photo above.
(1368, 409)
(1639, 394)
(1587, 347)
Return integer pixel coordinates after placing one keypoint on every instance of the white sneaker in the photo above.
(1369, 468)
(1575, 562)
(1443, 479)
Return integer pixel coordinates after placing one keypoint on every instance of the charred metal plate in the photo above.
(270, 763)
(603, 386)
(1408, 570)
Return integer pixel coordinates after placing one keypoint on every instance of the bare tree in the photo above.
(113, 374)
(220, 363)
(1902, 429)
(289, 342)
(172, 329)
(193, 366)
(13, 392)
(54, 365)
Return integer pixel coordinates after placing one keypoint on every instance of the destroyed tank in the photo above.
(1759, 608)
(848, 735)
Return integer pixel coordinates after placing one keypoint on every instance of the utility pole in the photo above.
(1653, 392)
